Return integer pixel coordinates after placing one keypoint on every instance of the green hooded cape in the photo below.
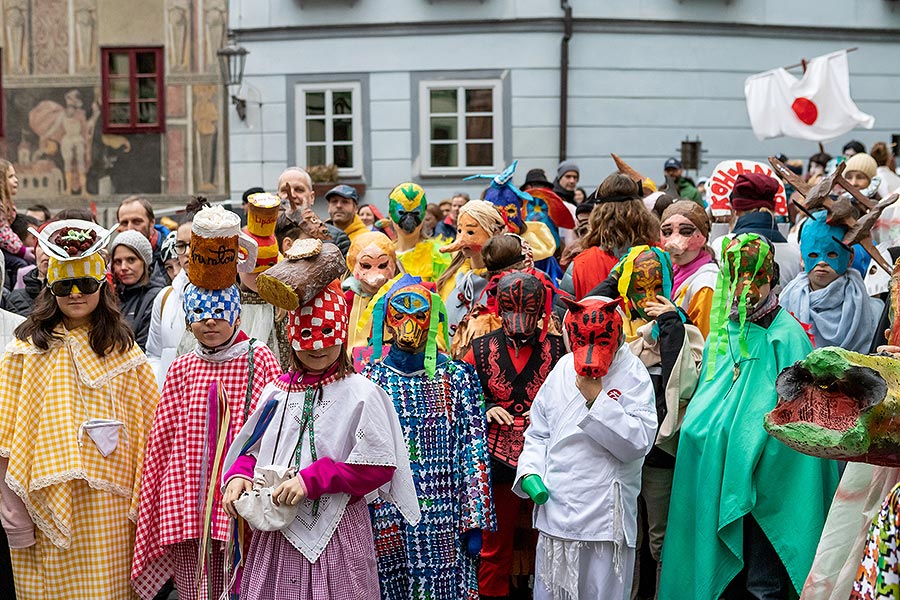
(727, 466)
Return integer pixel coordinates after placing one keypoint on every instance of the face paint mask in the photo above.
(594, 329)
(407, 205)
(520, 301)
(373, 268)
(681, 238)
(322, 322)
(408, 317)
(819, 243)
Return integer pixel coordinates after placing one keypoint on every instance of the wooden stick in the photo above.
(803, 60)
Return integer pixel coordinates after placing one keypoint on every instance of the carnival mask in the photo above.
(408, 317)
(751, 265)
(374, 267)
(819, 242)
(594, 329)
(201, 304)
(470, 237)
(322, 322)
(644, 274)
(510, 206)
(407, 206)
(681, 238)
(520, 301)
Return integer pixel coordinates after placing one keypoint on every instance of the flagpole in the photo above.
(803, 61)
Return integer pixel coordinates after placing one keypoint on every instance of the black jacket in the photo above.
(21, 301)
(136, 304)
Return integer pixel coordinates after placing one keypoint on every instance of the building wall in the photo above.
(643, 76)
(52, 83)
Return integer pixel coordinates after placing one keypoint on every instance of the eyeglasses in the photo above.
(181, 247)
(64, 287)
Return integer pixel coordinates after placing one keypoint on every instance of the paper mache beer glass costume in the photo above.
(207, 396)
(733, 508)
(322, 442)
(512, 364)
(594, 415)
(76, 403)
(441, 412)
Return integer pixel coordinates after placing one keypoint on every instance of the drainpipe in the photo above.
(564, 78)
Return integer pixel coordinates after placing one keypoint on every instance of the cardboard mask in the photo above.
(407, 204)
(680, 235)
(470, 235)
(407, 317)
(372, 261)
(520, 300)
(507, 198)
(594, 330)
(819, 243)
(201, 304)
(644, 274)
(754, 268)
(322, 322)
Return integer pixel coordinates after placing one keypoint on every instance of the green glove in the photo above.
(535, 488)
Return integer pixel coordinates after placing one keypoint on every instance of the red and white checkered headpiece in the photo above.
(322, 322)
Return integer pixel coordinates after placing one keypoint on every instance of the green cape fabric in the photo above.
(727, 466)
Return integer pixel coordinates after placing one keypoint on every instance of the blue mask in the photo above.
(818, 243)
(201, 304)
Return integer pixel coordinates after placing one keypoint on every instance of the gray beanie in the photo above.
(566, 166)
(136, 241)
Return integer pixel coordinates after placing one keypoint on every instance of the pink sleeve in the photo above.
(14, 515)
(328, 477)
(242, 467)
(9, 241)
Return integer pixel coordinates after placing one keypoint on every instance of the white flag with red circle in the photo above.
(817, 107)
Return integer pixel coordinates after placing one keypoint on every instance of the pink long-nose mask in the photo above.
(682, 239)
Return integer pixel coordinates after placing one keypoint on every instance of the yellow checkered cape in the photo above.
(84, 505)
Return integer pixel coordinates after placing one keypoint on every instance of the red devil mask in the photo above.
(520, 301)
(594, 327)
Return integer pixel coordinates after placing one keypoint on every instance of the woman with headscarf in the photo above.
(618, 222)
(685, 235)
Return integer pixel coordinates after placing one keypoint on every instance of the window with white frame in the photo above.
(461, 125)
(329, 126)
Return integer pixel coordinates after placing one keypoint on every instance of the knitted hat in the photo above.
(863, 163)
(753, 190)
(566, 166)
(136, 241)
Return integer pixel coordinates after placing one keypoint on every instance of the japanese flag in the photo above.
(817, 107)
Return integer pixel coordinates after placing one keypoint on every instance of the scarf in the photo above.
(237, 345)
(758, 311)
(759, 222)
(681, 273)
(840, 314)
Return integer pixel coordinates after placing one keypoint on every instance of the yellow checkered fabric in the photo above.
(83, 504)
(88, 266)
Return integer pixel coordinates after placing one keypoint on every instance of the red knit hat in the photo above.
(752, 191)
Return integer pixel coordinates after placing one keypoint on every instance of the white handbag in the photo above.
(257, 507)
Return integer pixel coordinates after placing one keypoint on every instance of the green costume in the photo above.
(727, 467)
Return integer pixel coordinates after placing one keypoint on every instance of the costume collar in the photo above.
(759, 222)
(680, 273)
(237, 345)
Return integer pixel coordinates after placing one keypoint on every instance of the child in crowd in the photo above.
(179, 462)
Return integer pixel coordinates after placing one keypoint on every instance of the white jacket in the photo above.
(590, 459)
(167, 325)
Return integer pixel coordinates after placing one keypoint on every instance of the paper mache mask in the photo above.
(594, 327)
(406, 204)
(521, 304)
(372, 260)
(644, 274)
(819, 242)
(201, 304)
(322, 322)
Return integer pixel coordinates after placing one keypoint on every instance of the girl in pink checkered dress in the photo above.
(339, 437)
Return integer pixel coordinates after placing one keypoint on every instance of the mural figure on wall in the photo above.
(72, 130)
(179, 30)
(59, 149)
(206, 127)
(215, 21)
(85, 34)
(16, 18)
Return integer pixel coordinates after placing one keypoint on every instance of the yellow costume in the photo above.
(83, 505)
(425, 260)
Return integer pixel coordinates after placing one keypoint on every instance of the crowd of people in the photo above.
(539, 393)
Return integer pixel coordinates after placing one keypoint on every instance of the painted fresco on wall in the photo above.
(55, 140)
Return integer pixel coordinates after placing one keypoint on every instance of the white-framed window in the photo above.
(328, 126)
(461, 126)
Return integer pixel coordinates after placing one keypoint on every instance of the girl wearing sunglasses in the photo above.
(77, 398)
